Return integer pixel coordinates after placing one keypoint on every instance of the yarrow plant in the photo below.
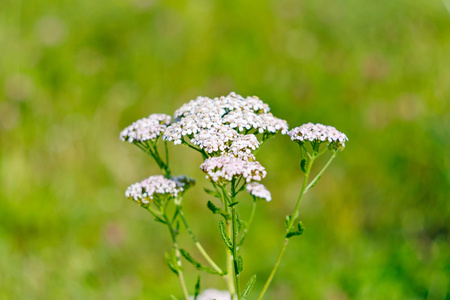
(226, 131)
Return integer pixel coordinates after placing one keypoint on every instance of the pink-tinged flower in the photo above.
(146, 129)
(224, 168)
(259, 190)
(151, 188)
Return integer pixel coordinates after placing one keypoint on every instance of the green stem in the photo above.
(235, 228)
(231, 284)
(167, 153)
(156, 214)
(302, 192)
(275, 267)
(175, 246)
(180, 272)
(229, 256)
(289, 227)
(314, 181)
(163, 166)
(192, 147)
(250, 220)
(198, 245)
(235, 250)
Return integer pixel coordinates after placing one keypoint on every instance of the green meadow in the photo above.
(73, 74)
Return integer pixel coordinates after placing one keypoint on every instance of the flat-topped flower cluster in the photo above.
(318, 133)
(223, 169)
(203, 117)
(258, 190)
(150, 188)
(146, 129)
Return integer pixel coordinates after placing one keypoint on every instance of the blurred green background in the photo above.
(74, 73)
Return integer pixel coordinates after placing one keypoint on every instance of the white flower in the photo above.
(234, 111)
(212, 294)
(224, 168)
(259, 190)
(242, 119)
(146, 129)
(243, 145)
(273, 124)
(318, 133)
(215, 138)
(150, 188)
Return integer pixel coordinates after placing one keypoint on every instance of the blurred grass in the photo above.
(73, 74)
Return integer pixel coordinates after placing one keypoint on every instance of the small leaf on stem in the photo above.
(198, 265)
(303, 165)
(225, 237)
(239, 222)
(249, 287)
(300, 227)
(170, 263)
(314, 182)
(177, 228)
(215, 210)
(288, 220)
(239, 265)
(158, 219)
(197, 288)
(213, 193)
(299, 231)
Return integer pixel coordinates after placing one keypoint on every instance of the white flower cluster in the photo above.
(224, 168)
(214, 139)
(259, 190)
(146, 129)
(243, 145)
(318, 133)
(236, 112)
(145, 191)
(213, 294)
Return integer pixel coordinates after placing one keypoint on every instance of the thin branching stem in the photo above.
(317, 177)
(229, 256)
(235, 250)
(167, 152)
(178, 258)
(249, 223)
(288, 228)
(198, 245)
(234, 240)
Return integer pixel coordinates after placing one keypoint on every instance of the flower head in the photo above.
(319, 133)
(214, 139)
(146, 129)
(224, 168)
(152, 187)
(259, 190)
(234, 111)
(242, 146)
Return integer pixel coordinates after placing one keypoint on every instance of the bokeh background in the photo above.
(74, 73)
